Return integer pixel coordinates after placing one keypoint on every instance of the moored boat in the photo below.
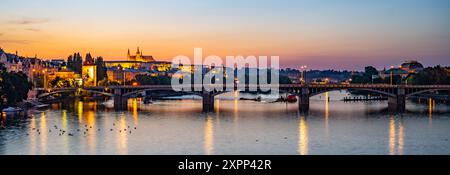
(291, 98)
(12, 110)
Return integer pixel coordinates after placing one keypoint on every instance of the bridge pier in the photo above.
(303, 100)
(120, 102)
(397, 103)
(208, 102)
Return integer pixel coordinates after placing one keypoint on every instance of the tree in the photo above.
(149, 80)
(2, 84)
(101, 69)
(14, 86)
(60, 82)
(75, 63)
(70, 63)
(431, 76)
(369, 71)
(370, 75)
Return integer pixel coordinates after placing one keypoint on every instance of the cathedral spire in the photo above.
(128, 55)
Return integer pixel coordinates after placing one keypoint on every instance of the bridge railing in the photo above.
(224, 86)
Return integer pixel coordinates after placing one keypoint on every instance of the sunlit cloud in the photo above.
(33, 29)
(15, 42)
(28, 21)
(348, 35)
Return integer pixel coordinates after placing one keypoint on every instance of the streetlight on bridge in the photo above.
(302, 74)
(391, 74)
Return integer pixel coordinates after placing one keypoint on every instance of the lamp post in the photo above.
(44, 73)
(302, 74)
(391, 74)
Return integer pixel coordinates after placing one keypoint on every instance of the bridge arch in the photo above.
(74, 90)
(424, 91)
(54, 92)
(129, 94)
(360, 89)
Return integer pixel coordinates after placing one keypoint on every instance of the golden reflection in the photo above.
(43, 133)
(64, 119)
(209, 136)
(401, 136)
(430, 107)
(430, 111)
(303, 136)
(80, 111)
(392, 136)
(218, 110)
(396, 137)
(217, 103)
(236, 100)
(122, 142)
(90, 118)
(64, 127)
(135, 113)
(327, 114)
(92, 137)
(32, 136)
(3, 119)
(236, 107)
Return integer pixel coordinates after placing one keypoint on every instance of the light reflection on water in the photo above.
(396, 136)
(302, 136)
(209, 135)
(237, 127)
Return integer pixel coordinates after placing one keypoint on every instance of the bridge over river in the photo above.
(396, 94)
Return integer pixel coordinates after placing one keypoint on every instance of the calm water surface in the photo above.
(237, 127)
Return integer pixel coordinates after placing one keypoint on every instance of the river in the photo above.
(237, 127)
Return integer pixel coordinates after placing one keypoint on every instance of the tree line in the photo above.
(428, 76)
(14, 87)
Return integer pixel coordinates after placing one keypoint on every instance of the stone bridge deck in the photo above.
(397, 93)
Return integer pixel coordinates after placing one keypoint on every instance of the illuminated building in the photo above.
(411, 66)
(406, 69)
(394, 72)
(89, 75)
(11, 62)
(126, 70)
(139, 56)
(121, 75)
(132, 62)
(123, 64)
(63, 74)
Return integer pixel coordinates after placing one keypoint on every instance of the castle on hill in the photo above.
(139, 57)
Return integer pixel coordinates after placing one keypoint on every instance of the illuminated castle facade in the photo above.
(139, 57)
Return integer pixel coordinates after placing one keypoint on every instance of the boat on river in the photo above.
(12, 110)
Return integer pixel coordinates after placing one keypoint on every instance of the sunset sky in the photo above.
(323, 34)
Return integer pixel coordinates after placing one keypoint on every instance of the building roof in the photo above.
(123, 61)
(412, 65)
(396, 71)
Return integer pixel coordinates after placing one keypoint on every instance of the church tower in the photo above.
(128, 55)
(138, 55)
